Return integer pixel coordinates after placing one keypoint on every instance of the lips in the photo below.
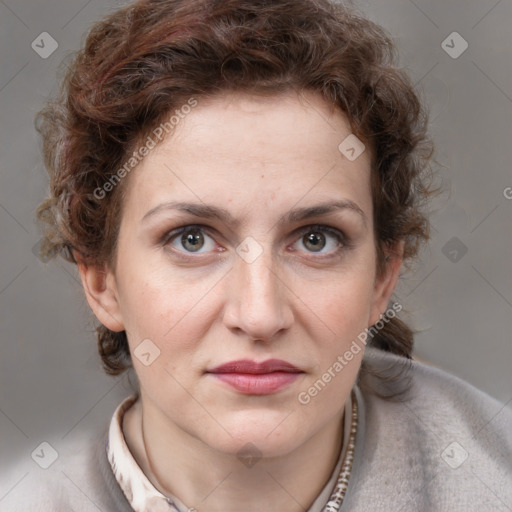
(253, 378)
(252, 367)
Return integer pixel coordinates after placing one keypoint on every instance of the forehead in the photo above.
(248, 150)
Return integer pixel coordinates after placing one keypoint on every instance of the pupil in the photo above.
(195, 240)
(317, 242)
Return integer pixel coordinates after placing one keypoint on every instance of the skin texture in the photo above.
(259, 158)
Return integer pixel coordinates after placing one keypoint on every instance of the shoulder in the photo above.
(439, 442)
(73, 474)
(437, 399)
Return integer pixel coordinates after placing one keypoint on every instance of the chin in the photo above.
(259, 434)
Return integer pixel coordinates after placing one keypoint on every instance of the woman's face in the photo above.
(277, 262)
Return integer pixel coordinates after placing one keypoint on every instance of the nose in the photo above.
(259, 300)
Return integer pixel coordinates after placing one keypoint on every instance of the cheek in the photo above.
(342, 303)
(155, 311)
(166, 307)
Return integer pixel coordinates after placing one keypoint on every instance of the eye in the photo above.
(190, 239)
(322, 240)
(317, 238)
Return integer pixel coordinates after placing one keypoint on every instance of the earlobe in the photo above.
(385, 284)
(101, 293)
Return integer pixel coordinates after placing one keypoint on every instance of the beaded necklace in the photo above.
(336, 499)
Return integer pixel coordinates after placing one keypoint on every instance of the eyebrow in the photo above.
(206, 211)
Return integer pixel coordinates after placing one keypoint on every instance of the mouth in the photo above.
(252, 378)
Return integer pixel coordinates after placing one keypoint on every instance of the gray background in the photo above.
(52, 386)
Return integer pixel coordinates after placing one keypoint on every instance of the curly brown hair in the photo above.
(148, 58)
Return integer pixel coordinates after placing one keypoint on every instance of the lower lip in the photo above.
(258, 384)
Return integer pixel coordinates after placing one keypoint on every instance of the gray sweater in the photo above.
(438, 445)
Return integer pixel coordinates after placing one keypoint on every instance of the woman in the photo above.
(240, 184)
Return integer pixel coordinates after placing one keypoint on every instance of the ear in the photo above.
(385, 284)
(101, 293)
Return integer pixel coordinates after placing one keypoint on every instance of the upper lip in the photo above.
(248, 366)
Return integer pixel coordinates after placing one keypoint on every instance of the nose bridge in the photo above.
(260, 295)
(260, 279)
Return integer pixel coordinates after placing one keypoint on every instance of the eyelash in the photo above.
(343, 241)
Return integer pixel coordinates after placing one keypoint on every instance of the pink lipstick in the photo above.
(252, 378)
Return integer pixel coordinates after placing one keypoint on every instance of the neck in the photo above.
(205, 479)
